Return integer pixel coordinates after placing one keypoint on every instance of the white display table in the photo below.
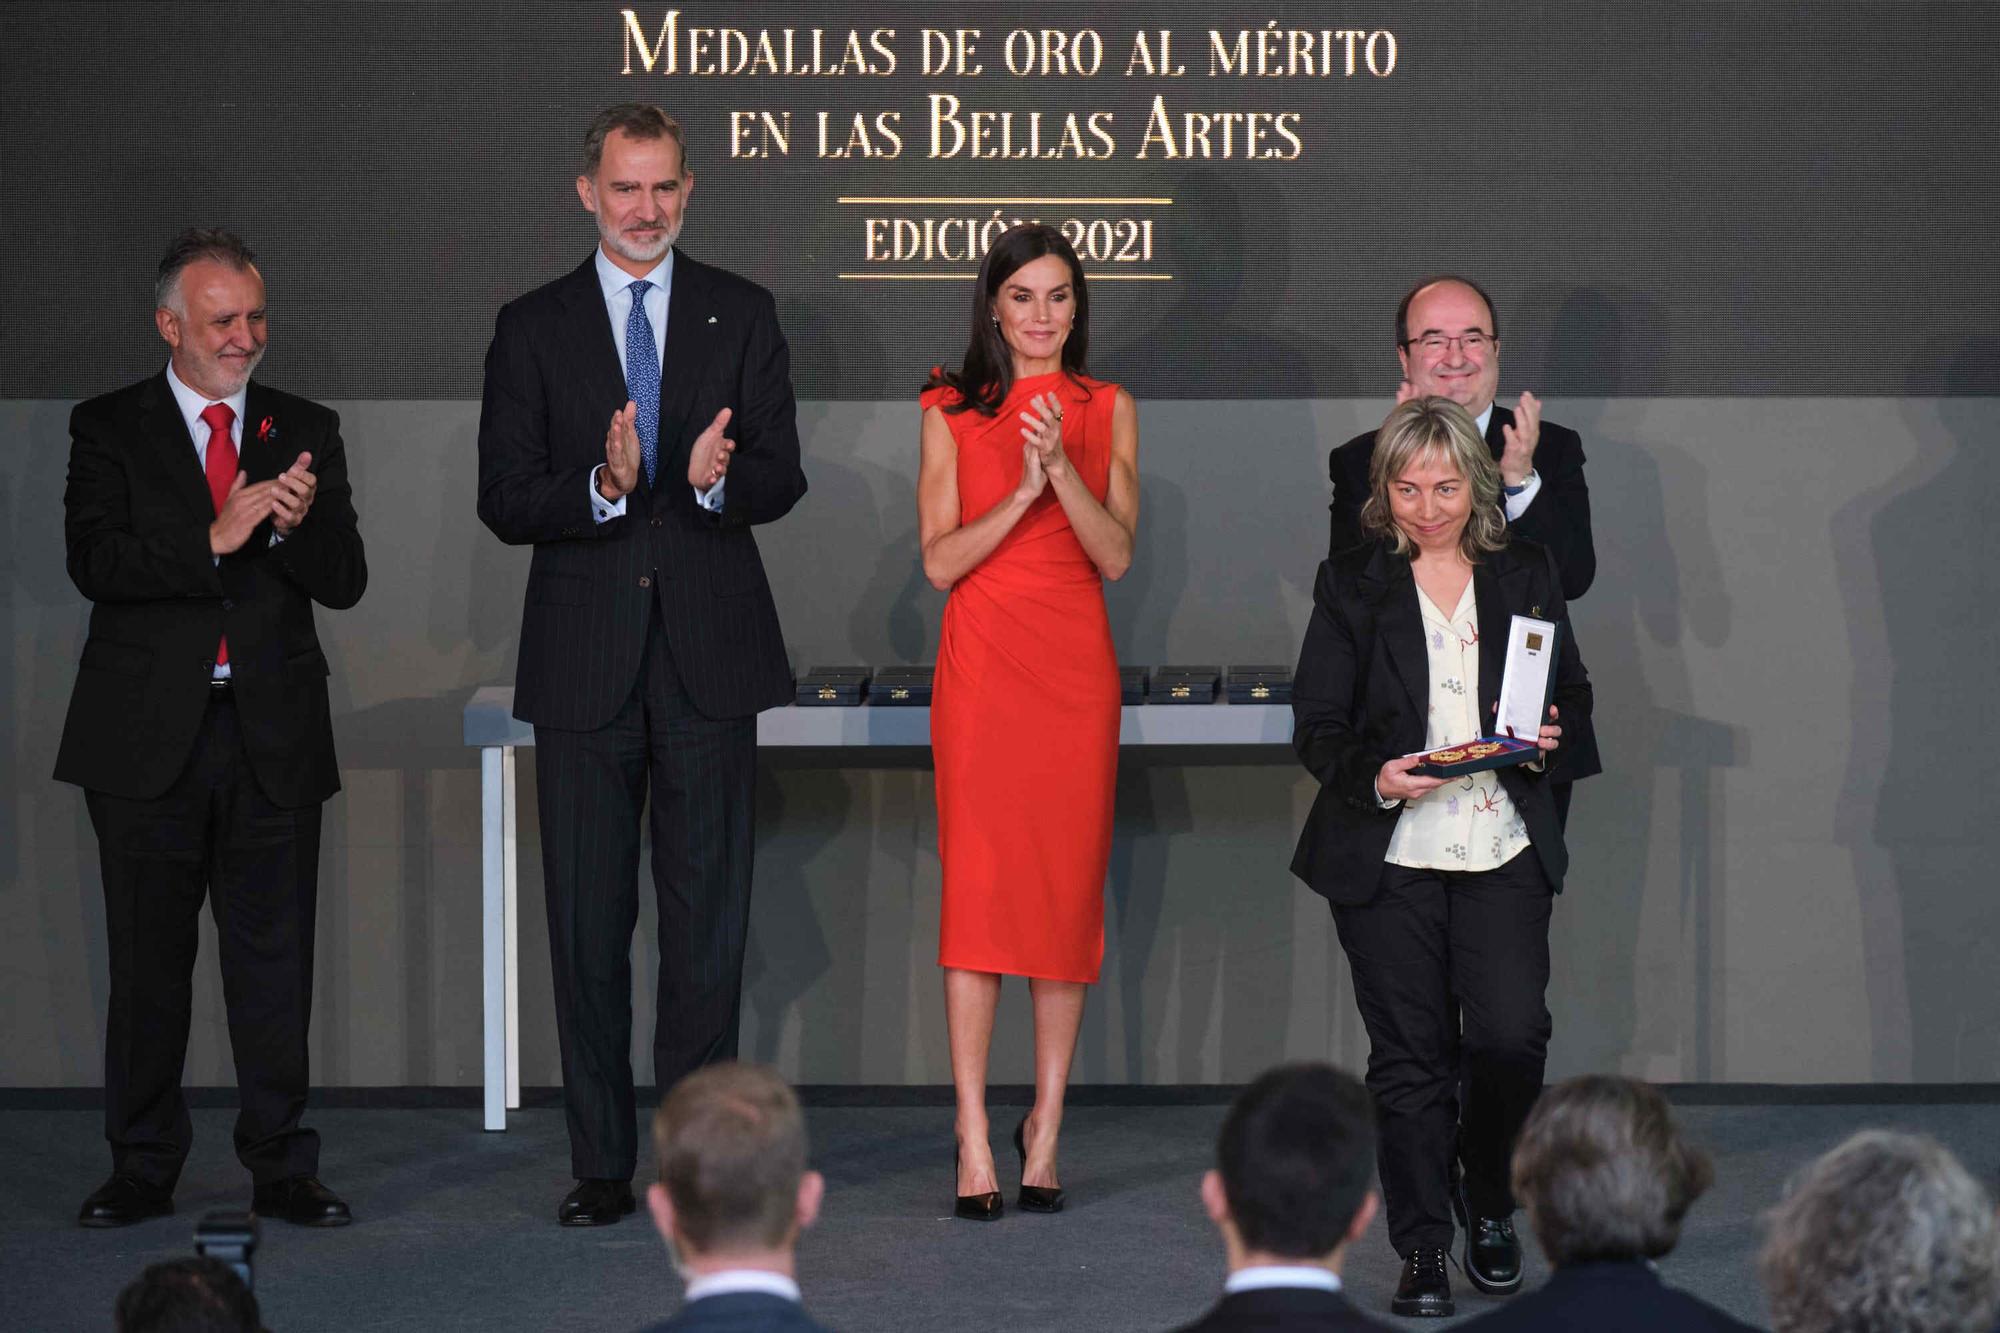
(491, 726)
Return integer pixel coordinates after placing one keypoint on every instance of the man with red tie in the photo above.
(204, 515)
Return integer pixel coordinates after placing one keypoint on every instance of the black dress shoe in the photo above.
(1034, 1198)
(1425, 1289)
(1492, 1250)
(300, 1200)
(974, 1207)
(596, 1203)
(123, 1200)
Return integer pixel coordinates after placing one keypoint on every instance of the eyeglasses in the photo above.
(1434, 344)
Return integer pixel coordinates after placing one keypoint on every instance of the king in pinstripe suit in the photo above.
(637, 421)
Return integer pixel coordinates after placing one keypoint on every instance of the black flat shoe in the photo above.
(1492, 1259)
(300, 1200)
(974, 1207)
(1425, 1289)
(596, 1203)
(123, 1200)
(1034, 1198)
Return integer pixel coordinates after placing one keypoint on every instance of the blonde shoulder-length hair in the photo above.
(1439, 427)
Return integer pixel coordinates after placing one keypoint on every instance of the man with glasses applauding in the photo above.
(1448, 338)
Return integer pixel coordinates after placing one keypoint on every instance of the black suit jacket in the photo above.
(1558, 517)
(1361, 696)
(136, 515)
(1279, 1308)
(553, 381)
(740, 1312)
(1590, 1298)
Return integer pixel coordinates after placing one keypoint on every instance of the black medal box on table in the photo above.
(1260, 685)
(1527, 688)
(901, 687)
(1132, 685)
(832, 687)
(1183, 685)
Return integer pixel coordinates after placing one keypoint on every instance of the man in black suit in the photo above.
(1448, 340)
(732, 1198)
(205, 514)
(638, 419)
(1292, 1189)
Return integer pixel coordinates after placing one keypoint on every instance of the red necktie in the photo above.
(221, 466)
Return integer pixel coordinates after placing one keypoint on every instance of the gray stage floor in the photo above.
(456, 1226)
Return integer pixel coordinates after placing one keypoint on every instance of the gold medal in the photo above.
(1444, 756)
(1482, 749)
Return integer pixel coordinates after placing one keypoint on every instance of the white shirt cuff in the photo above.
(1386, 805)
(1517, 505)
(711, 499)
(601, 509)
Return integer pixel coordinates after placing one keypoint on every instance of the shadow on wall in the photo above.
(1659, 578)
(1212, 336)
(1920, 589)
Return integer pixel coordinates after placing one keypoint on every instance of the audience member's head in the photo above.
(1295, 1168)
(1885, 1234)
(194, 1295)
(1604, 1172)
(733, 1191)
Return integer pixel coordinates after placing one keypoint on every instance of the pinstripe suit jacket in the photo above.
(553, 380)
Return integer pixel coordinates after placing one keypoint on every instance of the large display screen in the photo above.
(1673, 198)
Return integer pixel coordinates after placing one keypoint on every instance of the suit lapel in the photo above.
(1390, 585)
(265, 452)
(1490, 587)
(165, 431)
(689, 343)
(1496, 424)
(586, 333)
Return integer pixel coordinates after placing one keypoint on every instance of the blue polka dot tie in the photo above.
(642, 379)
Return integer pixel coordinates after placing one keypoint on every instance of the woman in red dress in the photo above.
(1028, 498)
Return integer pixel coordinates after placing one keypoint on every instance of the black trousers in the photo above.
(213, 834)
(592, 789)
(1450, 973)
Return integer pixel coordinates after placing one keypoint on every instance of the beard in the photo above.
(227, 375)
(631, 248)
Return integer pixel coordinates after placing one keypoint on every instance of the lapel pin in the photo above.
(711, 319)
(267, 430)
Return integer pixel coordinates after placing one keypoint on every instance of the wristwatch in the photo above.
(1516, 490)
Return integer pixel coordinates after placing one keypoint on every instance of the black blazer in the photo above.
(553, 380)
(1284, 1308)
(742, 1311)
(136, 513)
(1361, 696)
(1558, 518)
(1590, 1298)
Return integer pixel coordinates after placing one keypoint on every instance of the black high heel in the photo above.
(974, 1207)
(1034, 1198)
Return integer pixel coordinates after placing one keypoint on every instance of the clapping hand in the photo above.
(292, 494)
(242, 510)
(621, 455)
(708, 461)
(1043, 433)
(1517, 456)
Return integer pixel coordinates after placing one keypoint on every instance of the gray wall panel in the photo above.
(1785, 874)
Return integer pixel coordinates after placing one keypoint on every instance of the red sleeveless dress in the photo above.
(1025, 708)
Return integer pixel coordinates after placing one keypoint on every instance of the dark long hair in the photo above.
(987, 376)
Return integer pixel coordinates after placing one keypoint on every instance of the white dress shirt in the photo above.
(192, 405)
(731, 1281)
(617, 285)
(1281, 1275)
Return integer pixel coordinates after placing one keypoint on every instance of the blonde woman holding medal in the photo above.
(1441, 889)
